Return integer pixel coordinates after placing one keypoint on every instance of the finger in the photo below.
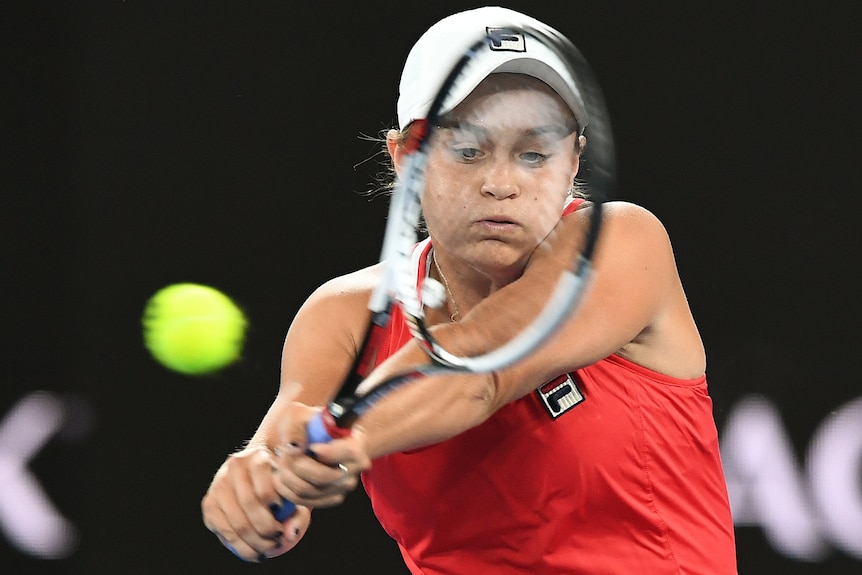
(323, 492)
(291, 532)
(264, 486)
(245, 539)
(294, 433)
(240, 548)
(217, 522)
(215, 519)
(247, 522)
(302, 493)
(318, 473)
(302, 472)
(350, 451)
(295, 528)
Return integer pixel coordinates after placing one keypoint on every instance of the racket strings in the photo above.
(398, 285)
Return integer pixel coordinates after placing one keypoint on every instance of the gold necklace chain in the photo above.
(457, 315)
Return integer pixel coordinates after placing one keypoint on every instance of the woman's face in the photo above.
(498, 173)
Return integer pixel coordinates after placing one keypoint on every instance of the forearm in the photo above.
(426, 411)
(268, 433)
(431, 409)
(490, 325)
(508, 311)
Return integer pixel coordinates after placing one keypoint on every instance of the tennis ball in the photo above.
(193, 329)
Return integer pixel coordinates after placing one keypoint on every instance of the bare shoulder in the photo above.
(335, 314)
(325, 335)
(354, 284)
(343, 296)
(627, 228)
(628, 213)
(628, 223)
(340, 302)
(635, 250)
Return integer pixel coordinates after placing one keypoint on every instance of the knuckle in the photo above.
(244, 531)
(306, 492)
(246, 499)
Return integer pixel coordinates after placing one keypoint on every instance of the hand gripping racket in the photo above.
(398, 283)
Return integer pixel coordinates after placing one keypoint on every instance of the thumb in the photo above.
(294, 428)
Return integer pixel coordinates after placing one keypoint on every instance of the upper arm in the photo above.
(320, 345)
(325, 336)
(634, 280)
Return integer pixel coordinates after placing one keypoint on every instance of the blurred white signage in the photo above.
(28, 518)
(807, 510)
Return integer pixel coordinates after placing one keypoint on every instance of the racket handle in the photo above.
(320, 429)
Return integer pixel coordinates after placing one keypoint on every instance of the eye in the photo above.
(463, 145)
(466, 153)
(534, 158)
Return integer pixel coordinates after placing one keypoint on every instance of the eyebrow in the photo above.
(555, 129)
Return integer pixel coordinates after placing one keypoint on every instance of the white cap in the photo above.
(441, 46)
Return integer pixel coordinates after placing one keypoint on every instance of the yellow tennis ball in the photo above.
(193, 329)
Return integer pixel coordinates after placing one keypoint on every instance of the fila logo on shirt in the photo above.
(560, 395)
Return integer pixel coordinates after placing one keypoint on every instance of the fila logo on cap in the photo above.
(506, 40)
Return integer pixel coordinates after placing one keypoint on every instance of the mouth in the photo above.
(497, 219)
(498, 223)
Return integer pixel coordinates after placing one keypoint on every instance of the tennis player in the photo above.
(598, 454)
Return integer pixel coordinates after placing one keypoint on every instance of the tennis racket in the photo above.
(398, 283)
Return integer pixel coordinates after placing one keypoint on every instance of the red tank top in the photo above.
(627, 481)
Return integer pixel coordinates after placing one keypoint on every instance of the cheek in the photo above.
(443, 197)
(546, 207)
(440, 210)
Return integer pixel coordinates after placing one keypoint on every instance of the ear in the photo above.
(396, 151)
(576, 158)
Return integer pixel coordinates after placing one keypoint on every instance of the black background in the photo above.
(146, 143)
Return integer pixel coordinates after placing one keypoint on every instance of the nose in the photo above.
(499, 182)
